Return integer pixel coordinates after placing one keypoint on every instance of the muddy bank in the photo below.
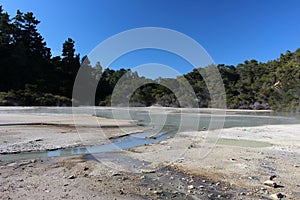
(26, 133)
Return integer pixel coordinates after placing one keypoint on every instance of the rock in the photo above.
(12, 164)
(121, 191)
(270, 183)
(147, 171)
(163, 142)
(157, 192)
(72, 177)
(190, 187)
(272, 177)
(277, 196)
(85, 168)
(200, 187)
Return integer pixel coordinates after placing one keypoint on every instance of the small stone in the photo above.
(157, 192)
(190, 187)
(218, 183)
(66, 184)
(147, 171)
(270, 183)
(163, 142)
(72, 177)
(272, 177)
(85, 168)
(12, 164)
(277, 196)
(191, 181)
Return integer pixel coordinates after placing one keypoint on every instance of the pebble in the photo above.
(85, 168)
(270, 183)
(277, 196)
(163, 142)
(12, 164)
(272, 177)
(147, 171)
(190, 187)
(200, 187)
(72, 177)
(157, 192)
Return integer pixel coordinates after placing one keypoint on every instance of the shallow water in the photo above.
(164, 126)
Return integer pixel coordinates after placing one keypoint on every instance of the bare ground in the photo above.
(178, 168)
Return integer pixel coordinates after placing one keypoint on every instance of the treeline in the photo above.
(30, 75)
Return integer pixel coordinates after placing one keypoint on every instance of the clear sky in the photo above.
(231, 31)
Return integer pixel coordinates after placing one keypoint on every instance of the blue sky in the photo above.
(231, 31)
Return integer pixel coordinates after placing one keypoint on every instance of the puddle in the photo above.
(243, 143)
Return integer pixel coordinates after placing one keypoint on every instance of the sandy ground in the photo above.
(183, 167)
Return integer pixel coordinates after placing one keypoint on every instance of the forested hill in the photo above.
(30, 75)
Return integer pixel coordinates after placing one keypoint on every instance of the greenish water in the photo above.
(243, 143)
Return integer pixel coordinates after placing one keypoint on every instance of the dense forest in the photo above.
(30, 75)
